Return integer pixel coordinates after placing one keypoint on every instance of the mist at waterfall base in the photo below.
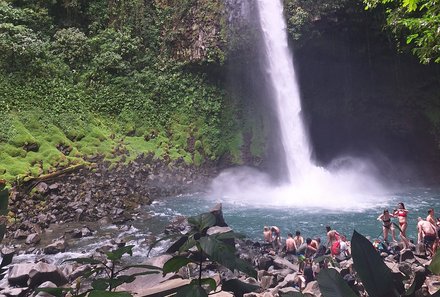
(348, 185)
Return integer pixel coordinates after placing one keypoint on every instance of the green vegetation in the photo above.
(417, 22)
(81, 79)
(219, 248)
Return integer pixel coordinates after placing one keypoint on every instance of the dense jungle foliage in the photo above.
(116, 79)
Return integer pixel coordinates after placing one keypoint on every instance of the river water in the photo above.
(243, 218)
(250, 220)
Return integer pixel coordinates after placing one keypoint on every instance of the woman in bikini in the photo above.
(385, 217)
(401, 213)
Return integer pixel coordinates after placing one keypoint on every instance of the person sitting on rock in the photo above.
(344, 251)
(321, 248)
(290, 245)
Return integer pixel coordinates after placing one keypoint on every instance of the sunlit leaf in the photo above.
(177, 245)
(191, 290)
(57, 292)
(175, 263)
(100, 284)
(140, 266)
(205, 281)
(99, 293)
(434, 267)
(118, 253)
(238, 287)
(202, 221)
(375, 275)
(332, 284)
(191, 242)
(84, 261)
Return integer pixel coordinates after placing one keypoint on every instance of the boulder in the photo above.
(267, 282)
(18, 275)
(405, 268)
(218, 213)
(58, 246)
(79, 272)
(406, 255)
(313, 289)
(288, 291)
(264, 263)
(20, 234)
(33, 238)
(41, 188)
(43, 272)
(47, 284)
(15, 292)
(281, 263)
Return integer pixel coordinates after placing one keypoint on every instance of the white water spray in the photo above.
(285, 89)
(347, 187)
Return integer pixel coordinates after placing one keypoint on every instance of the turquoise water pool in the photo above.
(249, 220)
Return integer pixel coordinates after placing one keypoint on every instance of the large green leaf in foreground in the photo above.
(434, 267)
(375, 275)
(332, 284)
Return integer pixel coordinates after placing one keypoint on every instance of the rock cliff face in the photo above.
(194, 30)
(365, 99)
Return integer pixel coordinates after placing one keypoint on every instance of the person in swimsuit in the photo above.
(290, 245)
(276, 237)
(332, 236)
(267, 235)
(428, 233)
(299, 240)
(430, 217)
(401, 213)
(385, 217)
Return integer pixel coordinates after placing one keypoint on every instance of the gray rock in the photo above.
(264, 263)
(281, 263)
(79, 272)
(15, 292)
(313, 289)
(218, 213)
(43, 272)
(20, 234)
(41, 188)
(405, 268)
(267, 282)
(406, 255)
(18, 275)
(33, 238)
(58, 246)
(47, 284)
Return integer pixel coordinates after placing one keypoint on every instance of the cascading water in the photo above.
(286, 91)
(347, 184)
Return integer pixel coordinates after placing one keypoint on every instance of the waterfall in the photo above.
(285, 88)
(347, 184)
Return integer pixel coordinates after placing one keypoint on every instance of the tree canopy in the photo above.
(415, 24)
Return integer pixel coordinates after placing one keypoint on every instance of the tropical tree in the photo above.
(415, 23)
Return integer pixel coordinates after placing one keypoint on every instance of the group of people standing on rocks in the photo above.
(308, 249)
(338, 247)
(428, 230)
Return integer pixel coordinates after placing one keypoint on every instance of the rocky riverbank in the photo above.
(100, 192)
(277, 274)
